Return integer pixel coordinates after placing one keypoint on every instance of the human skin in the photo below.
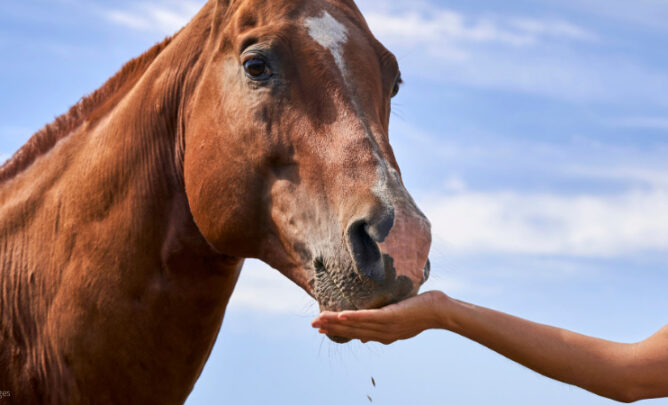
(622, 372)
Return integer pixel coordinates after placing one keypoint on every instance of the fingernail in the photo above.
(343, 318)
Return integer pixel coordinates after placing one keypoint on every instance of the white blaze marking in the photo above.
(330, 34)
(382, 188)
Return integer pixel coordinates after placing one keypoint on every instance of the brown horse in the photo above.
(258, 131)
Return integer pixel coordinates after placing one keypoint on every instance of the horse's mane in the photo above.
(89, 108)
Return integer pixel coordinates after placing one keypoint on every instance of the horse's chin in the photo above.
(339, 339)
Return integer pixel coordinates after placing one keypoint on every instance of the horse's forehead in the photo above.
(331, 34)
(326, 30)
(272, 10)
(330, 20)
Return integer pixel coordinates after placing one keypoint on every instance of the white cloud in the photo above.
(128, 19)
(653, 178)
(525, 228)
(541, 235)
(263, 289)
(579, 226)
(649, 14)
(443, 27)
(553, 28)
(549, 57)
(165, 18)
(454, 184)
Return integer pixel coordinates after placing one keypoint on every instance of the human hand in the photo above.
(400, 321)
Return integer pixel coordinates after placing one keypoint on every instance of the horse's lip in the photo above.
(341, 295)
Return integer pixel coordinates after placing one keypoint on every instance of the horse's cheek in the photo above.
(220, 207)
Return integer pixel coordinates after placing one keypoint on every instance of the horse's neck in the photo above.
(104, 187)
(102, 263)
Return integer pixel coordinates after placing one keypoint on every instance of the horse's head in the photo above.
(287, 152)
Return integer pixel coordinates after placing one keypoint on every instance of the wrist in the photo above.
(442, 311)
(452, 313)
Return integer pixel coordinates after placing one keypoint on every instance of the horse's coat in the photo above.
(125, 223)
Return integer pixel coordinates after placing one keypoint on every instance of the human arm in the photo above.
(624, 372)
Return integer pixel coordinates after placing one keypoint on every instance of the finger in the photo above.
(379, 327)
(362, 323)
(328, 315)
(365, 338)
(324, 317)
(357, 314)
(367, 315)
(357, 318)
(344, 331)
(356, 333)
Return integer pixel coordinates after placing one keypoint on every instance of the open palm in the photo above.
(400, 321)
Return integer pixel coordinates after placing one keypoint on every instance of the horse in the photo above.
(259, 130)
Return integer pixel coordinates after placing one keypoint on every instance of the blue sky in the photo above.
(533, 133)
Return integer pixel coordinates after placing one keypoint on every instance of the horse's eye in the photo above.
(257, 69)
(397, 85)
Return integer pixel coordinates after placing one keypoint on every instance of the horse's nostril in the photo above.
(365, 251)
(378, 227)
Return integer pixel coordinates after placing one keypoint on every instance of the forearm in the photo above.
(619, 371)
(596, 365)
